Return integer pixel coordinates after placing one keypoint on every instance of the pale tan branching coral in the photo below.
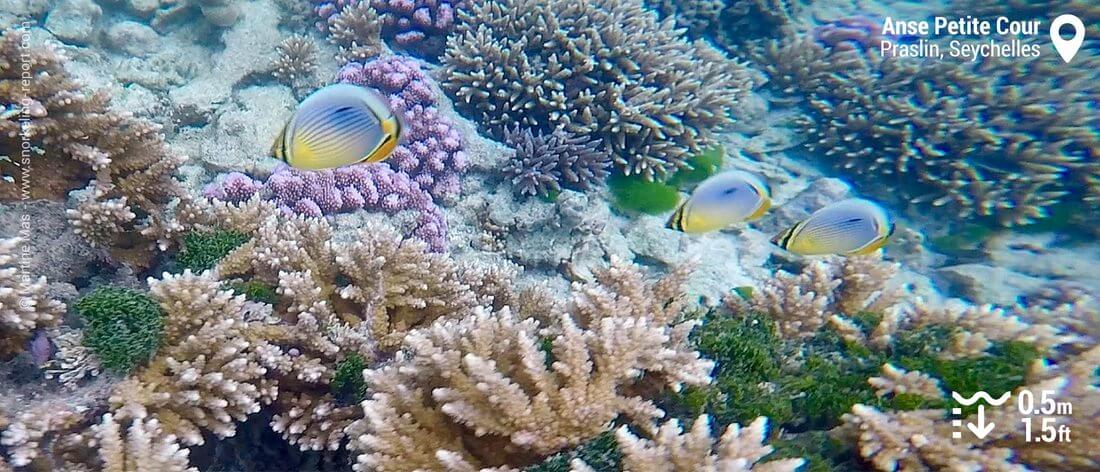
(801, 304)
(76, 140)
(47, 426)
(479, 391)
(897, 381)
(607, 69)
(967, 139)
(357, 31)
(24, 304)
(295, 61)
(675, 450)
(908, 441)
(144, 447)
(979, 325)
(211, 372)
(922, 440)
(73, 361)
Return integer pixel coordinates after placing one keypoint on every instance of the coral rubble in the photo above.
(607, 69)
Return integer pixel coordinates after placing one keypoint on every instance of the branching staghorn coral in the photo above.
(493, 390)
(72, 133)
(544, 163)
(25, 305)
(210, 372)
(733, 22)
(803, 303)
(675, 450)
(295, 61)
(922, 439)
(607, 69)
(356, 30)
(942, 134)
(143, 447)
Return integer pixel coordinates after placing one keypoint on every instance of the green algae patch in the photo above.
(702, 166)
(256, 291)
(601, 453)
(348, 385)
(123, 327)
(633, 193)
(202, 251)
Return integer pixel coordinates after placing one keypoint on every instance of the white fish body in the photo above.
(848, 227)
(338, 125)
(722, 200)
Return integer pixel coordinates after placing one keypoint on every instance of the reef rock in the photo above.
(241, 135)
(248, 48)
(74, 21)
(989, 284)
(133, 38)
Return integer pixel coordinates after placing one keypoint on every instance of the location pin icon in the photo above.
(1067, 48)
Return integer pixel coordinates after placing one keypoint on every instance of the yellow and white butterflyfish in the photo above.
(338, 125)
(723, 199)
(848, 227)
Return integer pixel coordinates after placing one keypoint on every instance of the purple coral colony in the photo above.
(585, 236)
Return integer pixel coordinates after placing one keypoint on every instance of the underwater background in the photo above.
(506, 291)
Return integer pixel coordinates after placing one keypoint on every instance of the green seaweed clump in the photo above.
(822, 452)
(348, 385)
(256, 291)
(123, 327)
(600, 453)
(702, 166)
(805, 385)
(635, 193)
(201, 251)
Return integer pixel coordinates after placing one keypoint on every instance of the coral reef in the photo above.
(937, 133)
(25, 305)
(427, 411)
(432, 149)
(418, 26)
(144, 446)
(607, 69)
(544, 163)
(801, 304)
(296, 62)
(674, 450)
(731, 23)
(346, 189)
(356, 30)
(72, 132)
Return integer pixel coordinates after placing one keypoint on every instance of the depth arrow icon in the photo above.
(981, 429)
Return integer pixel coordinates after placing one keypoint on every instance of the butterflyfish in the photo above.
(338, 125)
(848, 227)
(722, 200)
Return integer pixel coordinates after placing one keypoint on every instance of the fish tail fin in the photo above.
(675, 222)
